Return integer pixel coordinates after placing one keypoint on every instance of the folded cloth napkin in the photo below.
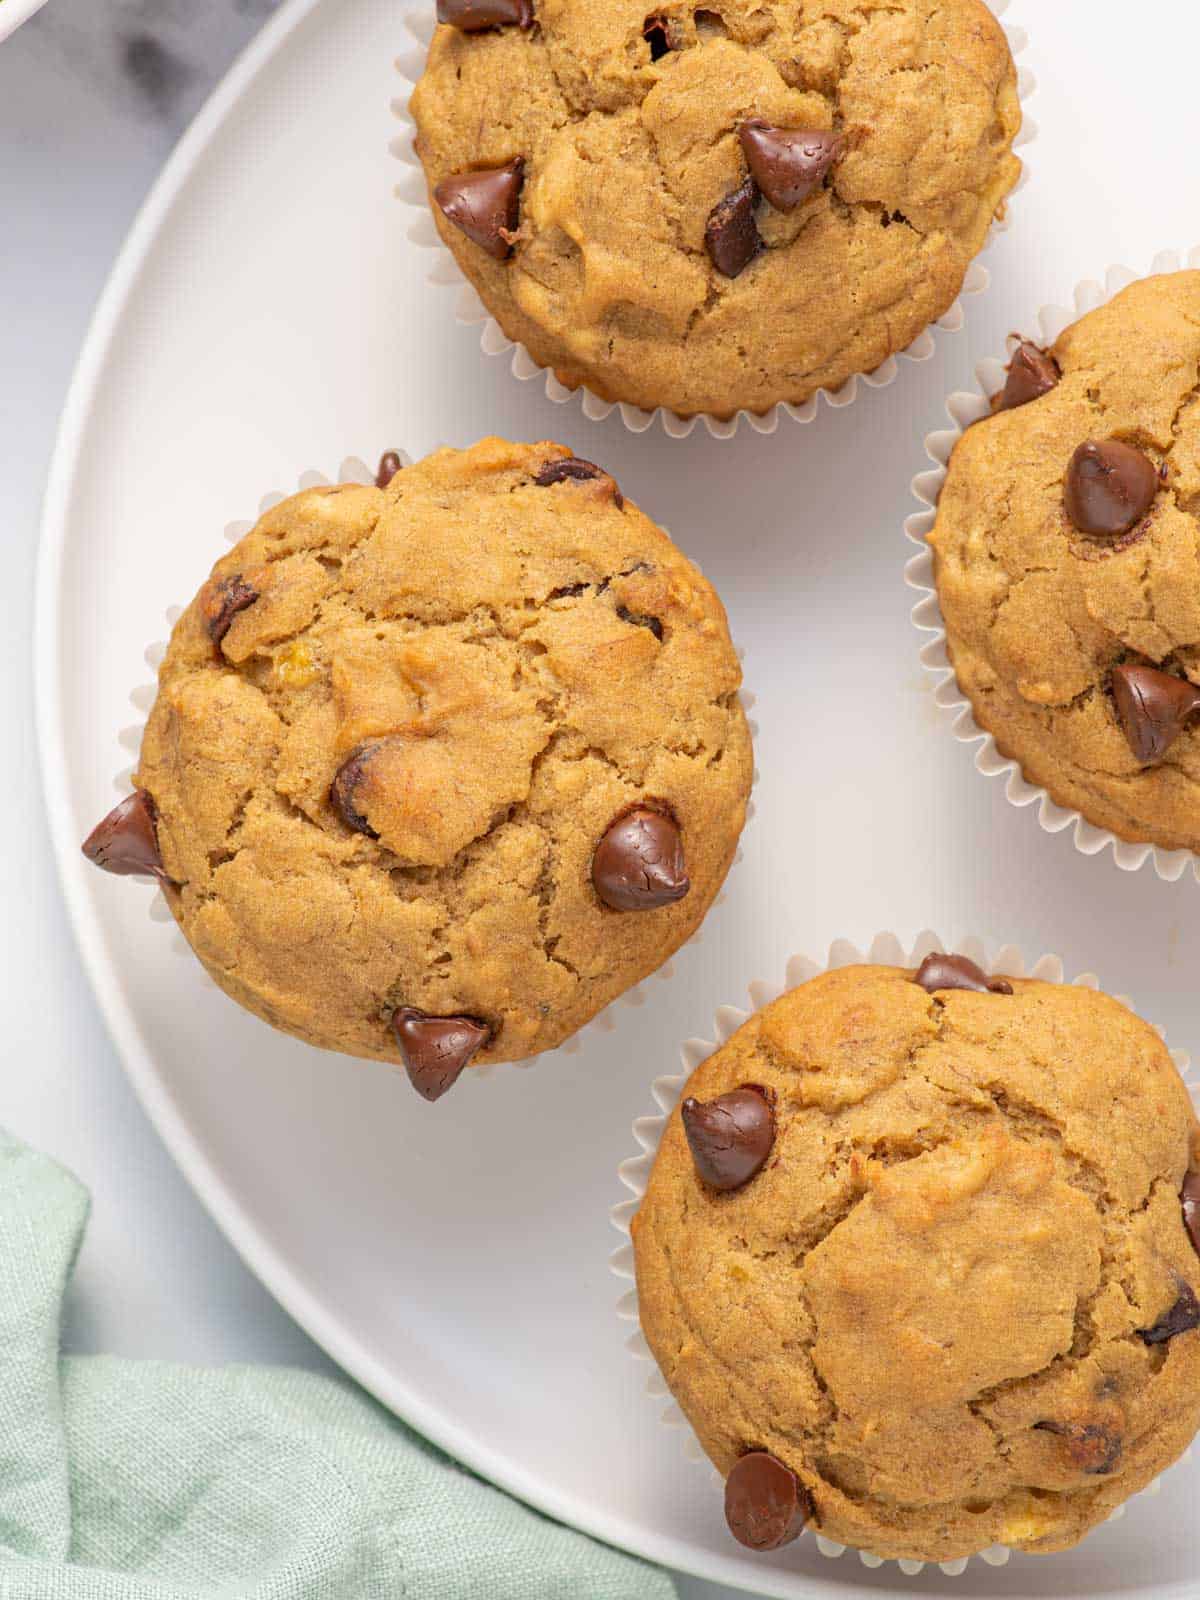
(135, 1480)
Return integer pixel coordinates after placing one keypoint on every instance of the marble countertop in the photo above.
(93, 95)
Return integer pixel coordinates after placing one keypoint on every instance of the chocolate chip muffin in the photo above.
(719, 206)
(1065, 557)
(918, 1260)
(439, 768)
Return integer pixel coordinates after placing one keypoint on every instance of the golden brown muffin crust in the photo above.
(535, 660)
(1038, 615)
(927, 1303)
(626, 156)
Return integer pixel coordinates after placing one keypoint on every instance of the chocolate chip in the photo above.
(732, 235)
(787, 164)
(1094, 1450)
(1031, 374)
(126, 842)
(637, 620)
(1183, 1316)
(766, 1505)
(436, 1049)
(1109, 487)
(474, 16)
(1153, 709)
(938, 972)
(1189, 1200)
(730, 1137)
(638, 864)
(1091, 1448)
(485, 205)
(343, 791)
(220, 602)
(389, 465)
(576, 469)
(657, 33)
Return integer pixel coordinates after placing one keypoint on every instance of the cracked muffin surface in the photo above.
(643, 252)
(957, 1299)
(394, 729)
(1049, 623)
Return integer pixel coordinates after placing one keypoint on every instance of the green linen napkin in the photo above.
(136, 1480)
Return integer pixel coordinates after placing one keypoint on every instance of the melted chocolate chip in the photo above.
(730, 1137)
(1109, 487)
(221, 601)
(1183, 1316)
(639, 863)
(126, 842)
(637, 619)
(1090, 1447)
(1031, 374)
(938, 972)
(575, 469)
(1189, 1200)
(436, 1049)
(1153, 709)
(344, 788)
(389, 465)
(485, 205)
(731, 235)
(787, 164)
(474, 16)
(657, 33)
(766, 1505)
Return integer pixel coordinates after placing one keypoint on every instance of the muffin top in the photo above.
(718, 206)
(439, 769)
(940, 1293)
(1066, 556)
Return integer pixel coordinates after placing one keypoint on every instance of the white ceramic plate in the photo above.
(14, 12)
(267, 317)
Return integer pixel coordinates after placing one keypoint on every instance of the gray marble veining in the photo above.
(156, 58)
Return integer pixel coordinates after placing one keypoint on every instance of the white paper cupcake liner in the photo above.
(142, 698)
(634, 1173)
(470, 310)
(963, 409)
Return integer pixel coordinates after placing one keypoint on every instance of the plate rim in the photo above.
(20, 12)
(245, 1237)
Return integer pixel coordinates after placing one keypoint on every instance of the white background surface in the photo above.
(935, 843)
